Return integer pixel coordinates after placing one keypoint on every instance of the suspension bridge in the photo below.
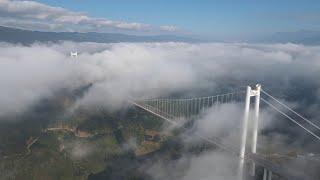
(182, 110)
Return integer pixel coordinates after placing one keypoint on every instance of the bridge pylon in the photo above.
(244, 131)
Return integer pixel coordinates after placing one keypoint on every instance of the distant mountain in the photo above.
(13, 35)
(300, 37)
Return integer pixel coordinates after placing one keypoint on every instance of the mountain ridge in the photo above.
(14, 35)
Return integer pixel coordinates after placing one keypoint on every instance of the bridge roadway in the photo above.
(286, 172)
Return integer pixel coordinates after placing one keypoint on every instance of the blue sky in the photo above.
(237, 19)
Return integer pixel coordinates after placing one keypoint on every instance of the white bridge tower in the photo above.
(255, 128)
(74, 54)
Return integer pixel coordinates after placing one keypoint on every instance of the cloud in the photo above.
(224, 122)
(212, 165)
(23, 14)
(138, 70)
(209, 165)
(169, 28)
(79, 150)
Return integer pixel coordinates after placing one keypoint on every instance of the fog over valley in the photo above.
(137, 70)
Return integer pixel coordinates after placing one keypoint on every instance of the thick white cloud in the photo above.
(212, 165)
(209, 165)
(23, 13)
(135, 70)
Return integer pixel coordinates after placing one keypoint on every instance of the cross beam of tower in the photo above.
(174, 109)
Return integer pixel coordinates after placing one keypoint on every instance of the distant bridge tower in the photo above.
(74, 54)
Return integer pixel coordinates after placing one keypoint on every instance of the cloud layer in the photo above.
(136, 70)
(37, 16)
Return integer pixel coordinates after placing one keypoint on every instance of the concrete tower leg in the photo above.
(265, 174)
(255, 125)
(270, 175)
(244, 133)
